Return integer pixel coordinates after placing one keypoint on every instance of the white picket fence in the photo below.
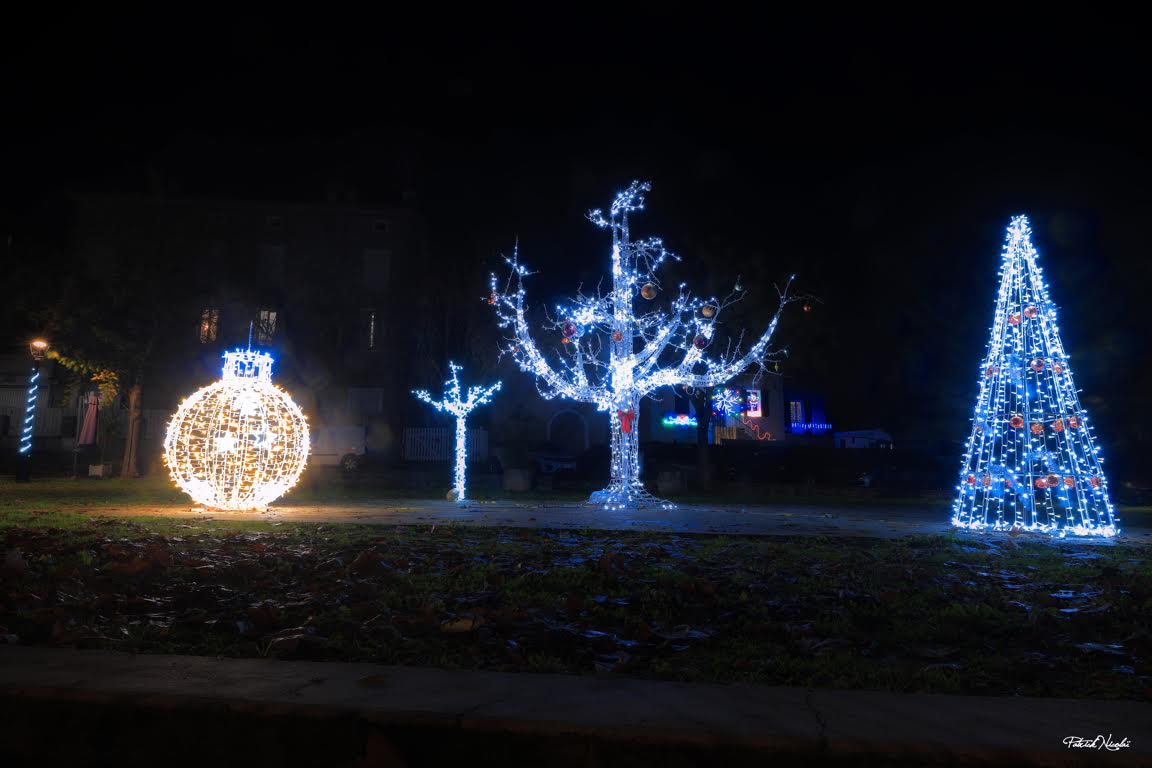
(439, 444)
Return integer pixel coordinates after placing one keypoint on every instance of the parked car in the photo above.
(338, 446)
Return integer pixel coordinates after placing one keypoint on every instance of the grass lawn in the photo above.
(998, 615)
(157, 490)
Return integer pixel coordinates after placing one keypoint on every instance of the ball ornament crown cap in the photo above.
(248, 364)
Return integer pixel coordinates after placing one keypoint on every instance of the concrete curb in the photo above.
(541, 719)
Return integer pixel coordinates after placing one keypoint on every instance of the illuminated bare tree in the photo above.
(612, 354)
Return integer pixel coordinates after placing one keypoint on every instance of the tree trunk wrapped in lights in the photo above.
(612, 355)
(1031, 460)
(460, 408)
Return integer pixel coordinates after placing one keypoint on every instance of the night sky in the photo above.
(881, 169)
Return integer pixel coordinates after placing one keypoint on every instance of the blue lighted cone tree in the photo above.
(460, 408)
(612, 354)
(1031, 461)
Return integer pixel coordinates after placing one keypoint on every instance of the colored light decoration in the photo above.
(679, 420)
(241, 442)
(1044, 473)
(728, 402)
(460, 408)
(629, 345)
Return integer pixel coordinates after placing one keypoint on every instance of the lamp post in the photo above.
(38, 348)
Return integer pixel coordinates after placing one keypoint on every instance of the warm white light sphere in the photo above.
(241, 442)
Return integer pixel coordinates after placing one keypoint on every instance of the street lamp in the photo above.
(38, 348)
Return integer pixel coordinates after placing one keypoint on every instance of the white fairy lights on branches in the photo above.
(460, 408)
(238, 443)
(613, 355)
(1031, 461)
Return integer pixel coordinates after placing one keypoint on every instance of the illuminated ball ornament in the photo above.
(240, 442)
(648, 291)
(1016, 421)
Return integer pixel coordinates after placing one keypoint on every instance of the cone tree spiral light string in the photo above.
(1031, 459)
(238, 443)
(452, 404)
(612, 355)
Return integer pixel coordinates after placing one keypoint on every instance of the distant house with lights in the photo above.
(749, 408)
(807, 422)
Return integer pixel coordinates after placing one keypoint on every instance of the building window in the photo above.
(274, 223)
(377, 264)
(272, 260)
(380, 226)
(796, 411)
(368, 324)
(265, 326)
(209, 321)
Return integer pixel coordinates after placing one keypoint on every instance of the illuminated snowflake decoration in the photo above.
(460, 408)
(727, 402)
(611, 355)
(1031, 461)
(238, 443)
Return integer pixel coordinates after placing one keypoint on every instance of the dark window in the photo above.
(266, 326)
(380, 226)
(272, 258)
(209, 321)
(377, 264)
(274, 223)
(796, 411)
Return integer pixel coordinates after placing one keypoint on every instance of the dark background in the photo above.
(879, 166)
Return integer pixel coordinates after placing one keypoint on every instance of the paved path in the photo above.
(774, 520)
(613, 720)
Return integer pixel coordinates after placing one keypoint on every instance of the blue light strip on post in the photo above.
(30, 413)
